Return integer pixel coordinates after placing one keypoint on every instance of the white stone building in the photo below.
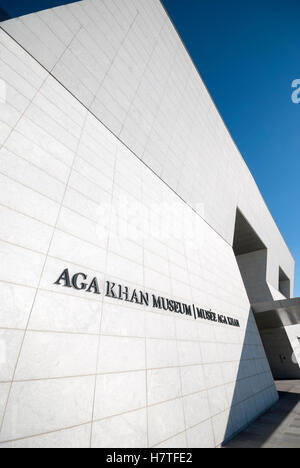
(115, 165)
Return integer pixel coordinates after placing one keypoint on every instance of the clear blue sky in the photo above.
(248, 53)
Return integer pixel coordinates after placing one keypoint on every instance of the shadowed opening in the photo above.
(246, 239)
(251, 256)
(284, 284)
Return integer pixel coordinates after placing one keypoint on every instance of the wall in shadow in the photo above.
(279, 352)
(253, 269)
(263, 433)
(254, 391)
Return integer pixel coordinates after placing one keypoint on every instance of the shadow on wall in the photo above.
(262, 434)
(279, 352)
(252, 259)
(254, 391)
(253, 269)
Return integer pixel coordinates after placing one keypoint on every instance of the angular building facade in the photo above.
(133, 240)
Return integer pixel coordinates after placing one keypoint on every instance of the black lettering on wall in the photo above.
(75, 284)
(134, 296)
(65, 277)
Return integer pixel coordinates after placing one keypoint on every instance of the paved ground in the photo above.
(279, 427)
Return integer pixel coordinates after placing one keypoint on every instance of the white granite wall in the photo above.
(81, 369)
(125, 62)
